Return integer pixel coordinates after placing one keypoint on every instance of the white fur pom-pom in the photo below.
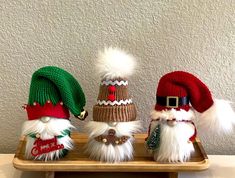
(114, 63)
(220, 117)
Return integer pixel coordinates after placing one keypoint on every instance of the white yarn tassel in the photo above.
(220, 117)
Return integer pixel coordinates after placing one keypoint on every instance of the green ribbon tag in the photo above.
(153, 141)
(63, 133)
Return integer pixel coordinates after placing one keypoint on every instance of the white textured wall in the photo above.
(196, 36)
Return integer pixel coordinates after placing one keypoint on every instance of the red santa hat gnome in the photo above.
(171, 130)
(114, 114)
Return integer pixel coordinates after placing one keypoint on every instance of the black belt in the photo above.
(172, 101)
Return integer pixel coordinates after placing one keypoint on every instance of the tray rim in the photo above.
(96, 166)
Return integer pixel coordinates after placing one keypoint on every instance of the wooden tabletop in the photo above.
(77, 161)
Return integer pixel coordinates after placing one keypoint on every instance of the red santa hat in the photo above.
(177, 90)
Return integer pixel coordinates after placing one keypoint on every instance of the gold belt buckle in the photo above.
(176, 101)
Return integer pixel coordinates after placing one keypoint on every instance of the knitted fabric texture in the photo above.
(118, 108)
(181, 84)
(114, 103)
(54, 85)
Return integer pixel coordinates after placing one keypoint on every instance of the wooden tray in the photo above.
(77, 161)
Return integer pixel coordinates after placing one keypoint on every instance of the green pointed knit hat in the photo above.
(54, 92)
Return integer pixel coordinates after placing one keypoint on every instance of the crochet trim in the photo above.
(36, 110)
(116, 82)
(112, 103)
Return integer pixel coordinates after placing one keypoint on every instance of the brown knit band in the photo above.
(122, 113)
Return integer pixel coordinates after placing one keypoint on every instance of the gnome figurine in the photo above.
(114, 115)
(172, 131)
(53, 93)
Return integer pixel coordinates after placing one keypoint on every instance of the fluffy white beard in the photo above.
(174, 140)
(47, 130)
(109, 153)
(174, 143)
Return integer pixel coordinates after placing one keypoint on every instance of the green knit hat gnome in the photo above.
(54, 92)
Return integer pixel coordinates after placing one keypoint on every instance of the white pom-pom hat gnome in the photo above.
(114, 115)
(172, 131)
(53, 93)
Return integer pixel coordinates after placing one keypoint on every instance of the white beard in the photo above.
(47, 130)
(175, 145)
(110, 153)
